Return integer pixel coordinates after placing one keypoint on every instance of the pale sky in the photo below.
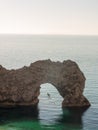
(78, 17)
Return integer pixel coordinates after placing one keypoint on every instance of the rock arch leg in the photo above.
(72, 101)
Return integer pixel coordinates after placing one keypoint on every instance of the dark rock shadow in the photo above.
(72, 116)
(18, 113)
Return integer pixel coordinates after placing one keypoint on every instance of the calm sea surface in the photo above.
(17, 51)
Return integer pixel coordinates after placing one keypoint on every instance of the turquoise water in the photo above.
(17, 51)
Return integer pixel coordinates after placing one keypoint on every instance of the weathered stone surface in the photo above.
(21, 87)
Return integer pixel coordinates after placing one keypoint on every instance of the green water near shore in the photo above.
(64, 121)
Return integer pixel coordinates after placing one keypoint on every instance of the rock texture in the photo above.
(21, 87)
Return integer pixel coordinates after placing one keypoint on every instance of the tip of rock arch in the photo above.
(21, 87)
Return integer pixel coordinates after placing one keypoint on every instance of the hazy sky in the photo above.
(49, 17)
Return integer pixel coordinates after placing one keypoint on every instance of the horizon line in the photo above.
(49, 34)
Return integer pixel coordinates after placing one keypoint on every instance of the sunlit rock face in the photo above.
(21, 87)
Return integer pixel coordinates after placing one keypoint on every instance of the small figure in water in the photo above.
(48, 95)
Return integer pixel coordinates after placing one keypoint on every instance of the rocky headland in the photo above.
(21, 87)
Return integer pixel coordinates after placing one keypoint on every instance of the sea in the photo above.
(17, 51)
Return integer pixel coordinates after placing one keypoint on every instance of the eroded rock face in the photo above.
(21, 87)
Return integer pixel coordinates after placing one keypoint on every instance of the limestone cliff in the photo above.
(21, 87)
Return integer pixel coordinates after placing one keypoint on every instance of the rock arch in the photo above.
(21, 87)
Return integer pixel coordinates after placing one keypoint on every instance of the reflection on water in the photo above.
(17, 114)
(26, 118)
(72, 118)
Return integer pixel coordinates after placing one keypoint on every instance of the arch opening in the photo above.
(50, 95)
(49, 105)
